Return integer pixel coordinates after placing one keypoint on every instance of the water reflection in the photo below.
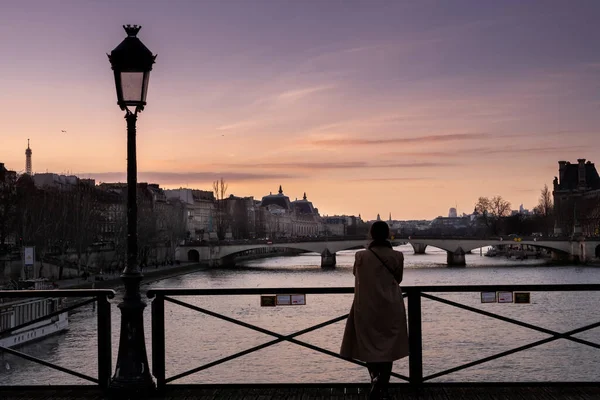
(450, 336)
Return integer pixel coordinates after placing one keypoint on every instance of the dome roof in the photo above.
(304, 206)
(278, 199)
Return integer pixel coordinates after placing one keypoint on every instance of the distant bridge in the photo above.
(223, 253)
(576, 249)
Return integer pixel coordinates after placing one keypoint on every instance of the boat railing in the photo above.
(103, 310)
(414, 295)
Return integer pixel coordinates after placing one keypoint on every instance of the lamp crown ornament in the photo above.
(132, 30)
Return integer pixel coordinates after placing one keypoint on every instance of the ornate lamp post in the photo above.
(132, 62)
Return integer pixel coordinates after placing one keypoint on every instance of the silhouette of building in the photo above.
(576, 198)
(199, 209)
(28, 169)
(280, 217)
(58, 181)
(452, 213)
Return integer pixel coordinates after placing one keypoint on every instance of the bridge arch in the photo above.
(451, 245)
(193, 255)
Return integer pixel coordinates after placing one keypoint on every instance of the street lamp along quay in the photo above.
(132, 62)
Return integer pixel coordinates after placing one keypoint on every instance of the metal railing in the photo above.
(414, 295)
(99, 296)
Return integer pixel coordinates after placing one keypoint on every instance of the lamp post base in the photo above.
(132, 377)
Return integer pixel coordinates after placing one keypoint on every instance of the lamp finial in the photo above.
(132, 30)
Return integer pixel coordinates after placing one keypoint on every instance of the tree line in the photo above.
(496, 215)
(69, 223)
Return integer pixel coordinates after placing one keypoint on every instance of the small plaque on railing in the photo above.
(488, 297)
(268, 301)
(282, 300)
(505, 297)
(298, 299)
(522, 298)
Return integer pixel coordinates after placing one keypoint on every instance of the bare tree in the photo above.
(483, 206)
(545, 205)
(545, 210)
(499, 207)
(172, 223)
(83, 220)
(492, 210)
(39, 218)
(220, 212)
(238, 213)
(147, 227)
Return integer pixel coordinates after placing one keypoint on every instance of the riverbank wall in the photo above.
(153, 274)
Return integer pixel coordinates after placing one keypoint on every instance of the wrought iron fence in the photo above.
(99, 296)
(414, 295)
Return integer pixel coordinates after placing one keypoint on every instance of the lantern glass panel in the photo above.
(132, 85)
(145, 88)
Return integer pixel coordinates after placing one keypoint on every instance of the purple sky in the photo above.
(408, 107)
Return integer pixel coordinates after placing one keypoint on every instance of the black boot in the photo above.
(374, 392)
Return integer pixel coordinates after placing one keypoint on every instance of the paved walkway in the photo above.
(569, 392)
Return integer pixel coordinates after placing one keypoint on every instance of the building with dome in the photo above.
(308, 222)
(281, 217)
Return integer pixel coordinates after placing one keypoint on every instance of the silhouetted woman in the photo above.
(376, 330)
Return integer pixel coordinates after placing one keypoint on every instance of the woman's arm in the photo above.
(356, 262)
(400, 269)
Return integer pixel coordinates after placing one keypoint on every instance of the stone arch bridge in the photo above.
(577, 250)
(223, 254)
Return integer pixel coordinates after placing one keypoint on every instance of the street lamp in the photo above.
(132, 62)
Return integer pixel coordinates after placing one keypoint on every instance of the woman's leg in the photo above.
(373, 370)
(374, 373)
(385, 371)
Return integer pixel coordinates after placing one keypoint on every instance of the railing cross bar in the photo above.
(488, 314)
(48, 364)
(223, 317)
(222, 360)
(556, 335)
(280, 338)
(254, 327)
(490, 358)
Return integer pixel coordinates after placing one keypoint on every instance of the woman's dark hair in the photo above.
(380, 231)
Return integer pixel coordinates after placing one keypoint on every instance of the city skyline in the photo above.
(407, 108)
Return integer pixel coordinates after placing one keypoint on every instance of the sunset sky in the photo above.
(408, 107)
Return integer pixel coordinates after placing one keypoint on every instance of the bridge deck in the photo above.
(462, 392)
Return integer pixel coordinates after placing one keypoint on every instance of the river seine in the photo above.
(451, 336)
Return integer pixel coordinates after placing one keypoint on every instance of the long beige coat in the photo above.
(376, 329)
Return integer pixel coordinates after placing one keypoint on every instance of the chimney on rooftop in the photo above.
(562, 167)
(581, 173)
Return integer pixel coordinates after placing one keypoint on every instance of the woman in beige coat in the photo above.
(376, 330)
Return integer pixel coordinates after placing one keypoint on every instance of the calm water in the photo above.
(451, 336)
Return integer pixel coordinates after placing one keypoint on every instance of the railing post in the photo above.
(158, 340)
(104, 341)
(415, 337)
